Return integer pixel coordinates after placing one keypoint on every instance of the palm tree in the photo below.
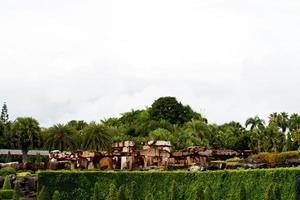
(25, 132)
(294, 122)
(200, 130)
(61, 137)
(96, 137)
(280, 119)
(255, 122)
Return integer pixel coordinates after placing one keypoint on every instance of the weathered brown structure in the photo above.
(152, 154)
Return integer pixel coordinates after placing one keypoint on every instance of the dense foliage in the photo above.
(282, 183)
(165, 119)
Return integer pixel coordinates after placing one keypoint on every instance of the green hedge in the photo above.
(79, 185)
(6, 194)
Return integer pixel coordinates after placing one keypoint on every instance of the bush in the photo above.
(275, 157)
(96, 194)
(112, 193)
(243, 192)
(122, 193)
(200, 193)
(7, 171)
(270, 193)
(17, 191)
(172, 191)
(7, 158)
(55, 195)
(149, 197)
(6, 194)
(225, 185)
(43, 194)
(208, 194)
(6, 184)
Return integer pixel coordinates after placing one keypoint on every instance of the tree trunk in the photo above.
(24, 155)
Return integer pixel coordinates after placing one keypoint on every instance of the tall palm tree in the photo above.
(25, 132)
(255, 122)
(96, 137)
(61, 137)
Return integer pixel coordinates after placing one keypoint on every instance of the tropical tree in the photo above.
(294, 122)
(96, 137)
(25, 132)
(280, 119)
(4, 114)
(168, 108)
(160, 134)
(255, 122)
(62, 137)
(77, 125)
(200, 130)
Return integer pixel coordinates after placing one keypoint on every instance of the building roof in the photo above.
(19, 152)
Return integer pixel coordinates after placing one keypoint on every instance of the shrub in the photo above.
(17, 191)
(275, 157)
(112, 193)
(7, 158)
(6, 194)
(122, 193)
(96, 194)
(200, 193)
(149, 197)
(43, 194)
(270, 194)
(6, 184)
(55, 195)
(208, 194)
(7, 171)
(243, 192)
(234, 160)
(132, 191)
(38, 159)
(172, 191)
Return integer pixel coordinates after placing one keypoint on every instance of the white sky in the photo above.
(228, 59)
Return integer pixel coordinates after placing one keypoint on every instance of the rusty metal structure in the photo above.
(152, 154)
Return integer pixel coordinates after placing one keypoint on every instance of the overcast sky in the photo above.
(228, 59)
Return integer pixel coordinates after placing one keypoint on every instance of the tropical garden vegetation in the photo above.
(165, 119)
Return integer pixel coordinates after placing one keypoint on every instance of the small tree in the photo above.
(270, 194)
(208, 194)
(96, 194)
(55, 195)
(242, 192)
(122, 193)
(4, 114)
(131, 191)
(149, 196)
(112, 193)
(6, 184)
(200, 193)
(17, 191)
(172, 191)
(43, 194)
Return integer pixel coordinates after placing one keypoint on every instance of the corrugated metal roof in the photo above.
(19, 152)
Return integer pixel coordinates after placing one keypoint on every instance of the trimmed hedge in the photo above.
(6, 194)
(221, 185)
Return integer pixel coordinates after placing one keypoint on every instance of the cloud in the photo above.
(94, 59)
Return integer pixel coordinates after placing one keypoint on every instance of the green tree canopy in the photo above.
(96, 137)
(25, 132)
(168, 108)
(62, 137)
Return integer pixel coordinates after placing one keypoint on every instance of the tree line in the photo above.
(165, 119)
